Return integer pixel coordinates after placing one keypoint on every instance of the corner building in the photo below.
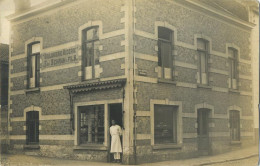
(176, 75)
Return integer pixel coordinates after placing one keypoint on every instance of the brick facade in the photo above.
(128, 53)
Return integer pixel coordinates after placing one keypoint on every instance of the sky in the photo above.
(7, 8)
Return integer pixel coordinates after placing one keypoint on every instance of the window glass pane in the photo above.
(89, 54)
(159, 53)
(165, 54)
(203, 62)
(201, 44)
(92, 34)
(96, 52)
(202, 122)
(165, 124)
(33, 66)
(36, 48)
(231, 53)
(233, 69)
(164, 33)
(234, 118)
(92, 124)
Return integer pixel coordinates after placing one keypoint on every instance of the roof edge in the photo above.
(218, 14)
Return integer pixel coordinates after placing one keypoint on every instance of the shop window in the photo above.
(165, 124)
(234, 121)
(202, 61)
(33, 65)
(91, 124)
(233, 72)
(165, 60)
(90, 53)
(32, 127)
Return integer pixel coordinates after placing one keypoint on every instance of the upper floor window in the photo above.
(90, 53)
(202, 46)
(34, 65)
(233, 73)
(234, 121)
(165, 61)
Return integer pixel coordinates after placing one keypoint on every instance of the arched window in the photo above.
(202, 47)
(165, 60)
(33, 65)
(233, 72)
(90, 52)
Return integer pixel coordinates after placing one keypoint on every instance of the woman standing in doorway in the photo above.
(116, 148)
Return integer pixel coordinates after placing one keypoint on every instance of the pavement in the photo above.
(25, 160)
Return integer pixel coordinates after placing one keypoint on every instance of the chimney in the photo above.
(21, 5)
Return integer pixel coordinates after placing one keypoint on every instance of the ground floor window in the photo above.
(165, 124)
(91, 130)
(234, 121)
(32, 127)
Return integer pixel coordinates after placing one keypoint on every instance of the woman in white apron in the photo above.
(116, 148)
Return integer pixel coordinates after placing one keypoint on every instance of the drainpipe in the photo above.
(71, 113)
(134, 84)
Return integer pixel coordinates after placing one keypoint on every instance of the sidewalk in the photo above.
(23, 160)
(207, 160)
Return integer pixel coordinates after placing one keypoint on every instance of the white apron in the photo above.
(115, 132)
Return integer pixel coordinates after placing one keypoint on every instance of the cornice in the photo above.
(216, 13)
(38, 9)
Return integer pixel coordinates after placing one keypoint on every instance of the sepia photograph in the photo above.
(129, 82)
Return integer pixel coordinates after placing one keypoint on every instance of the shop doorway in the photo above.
(114, 113)
(203, 131)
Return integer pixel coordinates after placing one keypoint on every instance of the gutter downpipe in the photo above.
(134, 84)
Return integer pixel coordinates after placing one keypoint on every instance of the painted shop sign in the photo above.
(59, 57)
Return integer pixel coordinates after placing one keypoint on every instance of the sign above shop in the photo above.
(59, 57)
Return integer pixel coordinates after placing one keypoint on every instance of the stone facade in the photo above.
(128, 53)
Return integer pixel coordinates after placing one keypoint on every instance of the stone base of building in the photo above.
(145, 154)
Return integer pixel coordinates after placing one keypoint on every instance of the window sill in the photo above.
(233, 91)
(235, 142)
(167, 146)
(90, 147)
(161, 80)
(92, 80)
(32, 90)
(204, 86)
(31, 146)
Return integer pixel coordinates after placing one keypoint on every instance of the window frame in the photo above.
(234, 59)
(179, 143)
(206, 52)
(161, 58)
(37, 66)
(84, 43)
(79, 125)
(174, 123)
(35, 120)
(231, 125)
